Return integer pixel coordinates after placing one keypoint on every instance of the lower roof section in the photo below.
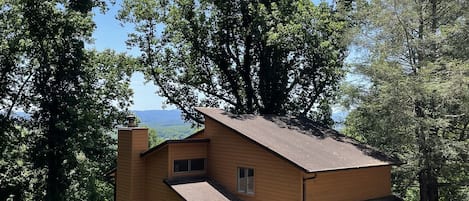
(199, 189)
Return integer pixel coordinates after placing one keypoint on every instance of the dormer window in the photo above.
(189, 165)
(246, 180)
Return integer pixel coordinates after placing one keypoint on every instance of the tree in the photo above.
(74, 98)
(415, 106)
(274, 57)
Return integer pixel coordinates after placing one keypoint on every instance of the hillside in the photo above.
(167, 123)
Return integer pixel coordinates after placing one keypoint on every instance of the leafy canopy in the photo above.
(73, 98)
(279, 57)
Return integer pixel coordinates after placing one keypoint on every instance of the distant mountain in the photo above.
(173, 117)
(170, 125)
(167, 123)
(159, 117)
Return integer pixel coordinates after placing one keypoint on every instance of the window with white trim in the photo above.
(189, 165)
(246, 180)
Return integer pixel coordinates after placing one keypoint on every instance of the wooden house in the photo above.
(251, 157)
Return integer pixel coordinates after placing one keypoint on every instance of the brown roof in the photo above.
(306, 144)
(199, 189)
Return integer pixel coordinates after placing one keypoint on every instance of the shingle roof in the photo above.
(306, 144)
(199, 189)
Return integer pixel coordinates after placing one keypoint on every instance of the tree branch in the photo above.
(156, 76)
(18, 95)
(171, 99)
(412, 61)
(313, 97)
(216, 95)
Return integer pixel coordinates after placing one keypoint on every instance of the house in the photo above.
(249, 157)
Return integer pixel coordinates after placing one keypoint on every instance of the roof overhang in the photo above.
(167, 142)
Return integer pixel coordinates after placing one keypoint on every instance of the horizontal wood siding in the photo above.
(275, 178)
(181, 151)
(123, 165)
(139, 145)
(130, 167)
(156, 171)
(350, 185)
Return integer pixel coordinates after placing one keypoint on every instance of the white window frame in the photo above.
(246, 173)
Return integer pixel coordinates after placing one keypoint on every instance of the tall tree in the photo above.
(416, 103)
(74, 98)
(248, 56)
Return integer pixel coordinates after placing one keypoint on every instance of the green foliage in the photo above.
(247, 56)
(15, 165)
(73, 96)
(415, 106)
(153, 138)
(167, 132)
(173, 131)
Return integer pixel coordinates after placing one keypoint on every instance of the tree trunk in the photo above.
(53, 190)
(428, 186)
(428, 182)
(57, 180)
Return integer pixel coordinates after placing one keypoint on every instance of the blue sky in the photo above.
(109, 34)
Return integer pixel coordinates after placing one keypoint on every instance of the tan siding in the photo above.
(156, 171)
(275, 178)
(139, 144)
(189, 150)
(130, 167)
(123, 164)
(186, 151)
(350, 185)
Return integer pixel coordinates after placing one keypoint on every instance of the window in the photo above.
(246, 180)
(197, 164)
(189, 165)
(181, 165)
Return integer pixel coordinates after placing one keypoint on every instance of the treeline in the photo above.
(266, 57)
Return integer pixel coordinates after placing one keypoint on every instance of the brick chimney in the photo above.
(130, 175)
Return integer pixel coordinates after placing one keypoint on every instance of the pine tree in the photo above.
(416, 107)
